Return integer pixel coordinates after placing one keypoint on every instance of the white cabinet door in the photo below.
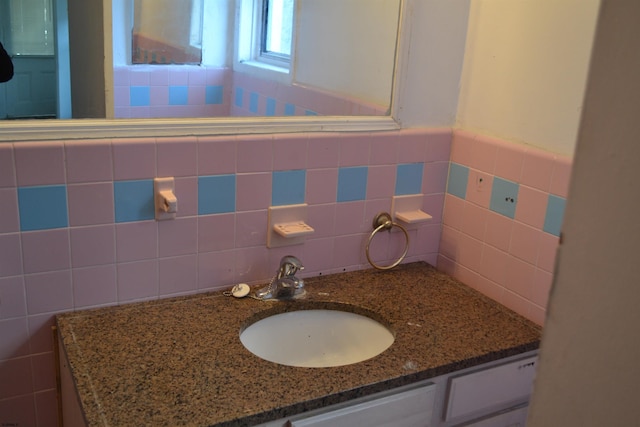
(514, 418)
(412, 408)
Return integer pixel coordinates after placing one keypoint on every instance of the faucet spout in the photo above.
(285, 284)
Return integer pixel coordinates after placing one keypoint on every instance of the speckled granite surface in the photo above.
(180, 361)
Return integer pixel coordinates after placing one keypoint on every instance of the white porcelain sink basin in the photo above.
(316, 338)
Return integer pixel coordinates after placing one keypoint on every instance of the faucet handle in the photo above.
(289, 265)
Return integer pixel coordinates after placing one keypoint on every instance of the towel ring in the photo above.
(383, 221)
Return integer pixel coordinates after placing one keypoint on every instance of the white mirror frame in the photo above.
(36, 130)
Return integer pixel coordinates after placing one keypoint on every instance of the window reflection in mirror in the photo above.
(341, 58)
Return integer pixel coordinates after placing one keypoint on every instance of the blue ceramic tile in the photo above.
(504, 197)
(133, 200)
(239, 97)
(352, 183)
(213, 95)
(555, 215)
(289, 109)
(457, 183)
(409, 179)
(140, 96)
(178, 95)
(253, 102)
(271, 107)
(43, 207)
(288, 187)
(310, 113)
(216, 194)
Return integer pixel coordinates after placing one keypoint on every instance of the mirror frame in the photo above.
(73, 129)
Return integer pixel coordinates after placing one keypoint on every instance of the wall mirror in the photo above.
(180, 60)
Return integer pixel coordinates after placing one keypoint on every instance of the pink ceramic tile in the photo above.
(483, 154)
(435, 177)
(384, 148)
(494, 264)
(134, 158)
(49, 292)
(216, 269)
(348, 250)
(41, 339)
(547, 252)
(254, 153)
(159, 76)
(542, 281)
(519, 277)
(537, 169)
(350, 218)
(197, 76)
(525, 241)
(14, 336)
(12, 296)
(381, 181)
(322, 186)
(439, 145)
(7, 171)
(445, 265)
(412, 146)
(253, 191)
(186, 191)
(251, 228)
(509, 161)
(137, 280)
(453, 211)
(290, 151)
(516, 302)
(89, 161)
(498, 232)
(46, 250)
(139, 76)
(372, 208)
(178, 76)
(121, 101)
(9, 211)
(470, 252)
(121, 76)
(355, 149)
(561, 176)
(433, 204)
(178, 275)
(322, 219)
(474, 221)
(462, 146)
(40, 163)
(318, 255)
(177, 156)
(252, 265)
(216, 155)
(16, 372)
(159, 100)
(44, 373)
(428, 240)
(491, 289)
(46, 407)
(323, 151)
(123, 112)
(93, 245)
(537, 314)
(136, 240)
(18, 410)
(178, 237)
(449, 243)
(94, 286)
(216, 232)
(196, 95)
(532, 206)
(479, 186)
(90, 204)
(141, 112)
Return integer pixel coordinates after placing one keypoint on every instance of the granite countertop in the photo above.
(179, 361)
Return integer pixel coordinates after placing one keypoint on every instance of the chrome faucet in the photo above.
(284, 284)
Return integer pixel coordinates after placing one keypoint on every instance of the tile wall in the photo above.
(503, 212)
(77, 228)
(145, 91)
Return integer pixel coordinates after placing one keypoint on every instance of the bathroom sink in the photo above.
(316, 338)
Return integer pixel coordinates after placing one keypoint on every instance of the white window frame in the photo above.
(248, 56)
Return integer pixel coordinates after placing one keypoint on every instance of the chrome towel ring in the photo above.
(383, 221)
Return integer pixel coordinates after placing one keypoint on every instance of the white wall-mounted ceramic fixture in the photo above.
(287, 225)
(164, 198)
(408, 209)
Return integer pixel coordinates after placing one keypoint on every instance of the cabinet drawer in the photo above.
(404, 409)
(490, 390)
(514, 418)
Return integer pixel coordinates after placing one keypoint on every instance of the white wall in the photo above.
(347, 47)
(525, 70)
(589, 373)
